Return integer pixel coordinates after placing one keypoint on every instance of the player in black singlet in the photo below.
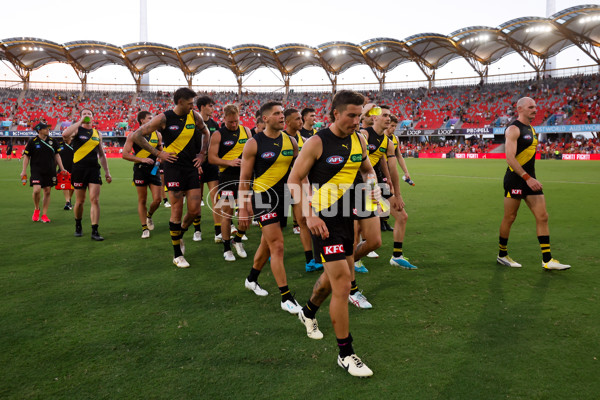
(185, 139)
(308, 115)
(145, 174)
(520, 183)
(331, 161)
(87, 150)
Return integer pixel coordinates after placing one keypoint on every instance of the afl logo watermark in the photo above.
(335, 160)
(267, 155)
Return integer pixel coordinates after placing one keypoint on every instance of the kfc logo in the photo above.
(77, 185)
(268, 216)
(517, 192)
(335, 249)
(226, 193)
(139, 181)
(34, 181)
(173, 184)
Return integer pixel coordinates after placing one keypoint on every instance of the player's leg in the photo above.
(94, 189)
(274, 238)
(80, 195)
(142, 196)
(155, 191)
(175, 230)
(401, 217)
(511, 207)
(213, 194)
(46, 203)
(305, 239)
(36, 194)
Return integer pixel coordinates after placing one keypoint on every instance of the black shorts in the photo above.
(210, 173)
(142, 175)
(181, 178)
(515, 187)
(269, 208)
(340, 243)
(229, 185)
(82, 176)
(44, 180)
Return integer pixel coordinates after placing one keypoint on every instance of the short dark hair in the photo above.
(203, 101)
(268, 106)
(183, 93)
(394, 118)
(307, 110)
(83, 109)
(342, 99)
(385, 107)
(258, 115)
(289, 112)
(141, 115)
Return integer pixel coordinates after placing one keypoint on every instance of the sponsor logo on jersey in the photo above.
(268, 216)
(190, 126)
(95, 139)
(356, 158)
(228, 143)
(288, 153)
(335, 160)
(527, 137)
(334, 249)
(381, 149)
(172, 184)
(516, 192)
(267, 155)
(153, 141)
(242, 141)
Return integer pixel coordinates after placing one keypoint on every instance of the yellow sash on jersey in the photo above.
(143, 153)
(381, 151)
(87, 147)
(279, 168)
(236, 151)
(527, 154)
(327, 194)
(184, 137)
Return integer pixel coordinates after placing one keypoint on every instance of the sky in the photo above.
(233, 22)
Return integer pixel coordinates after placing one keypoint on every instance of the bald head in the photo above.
(527, 109)
(523, 101)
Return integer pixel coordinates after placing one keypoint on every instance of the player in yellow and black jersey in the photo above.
(520, 183)
(293, 122)
(225, 150)
(309, 117)
(185, 138)
(331, 159)
(266, 161)
(87, 150)
(145, 173)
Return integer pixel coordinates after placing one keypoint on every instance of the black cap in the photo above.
(41, 126)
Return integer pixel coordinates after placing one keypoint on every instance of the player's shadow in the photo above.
(500, 342)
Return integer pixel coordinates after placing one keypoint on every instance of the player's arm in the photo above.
(25, 163)
(311, 151)
(155, 124)
(244, 192)
(127, 149)
(402, 162)
(59, 162)
(394, 178)
(159, 145)
(512, 134)
(213, 153)
(366, 169)
(72, 130)
(296, 151)
(103, 162)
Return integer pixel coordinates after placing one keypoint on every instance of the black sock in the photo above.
(197, 221)
(175, 231)
(95, 229)
(148, 215)
(238, 236)
(285, 294)
(296, 224)
(217, 229)
(310, 310)
(183, 231)
(226, 245)
(503, 246)
(345, 346)
(165, 200)
(144, 227)
(353, 287)
(78, 224)
(397, 249)
(253, 276)
(545, 246)
(309, 256)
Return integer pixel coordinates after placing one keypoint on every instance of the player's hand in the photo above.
(148, 161)
(200, 171)
(534, 184)
(317, 227)
(399, 201)
(108, 178)
(170, 157)
(23, 173)
(376, 192)
(235, 163)
(243, 219)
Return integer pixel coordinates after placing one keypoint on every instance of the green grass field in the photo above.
(115, 319)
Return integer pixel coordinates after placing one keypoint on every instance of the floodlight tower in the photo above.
(145, 81)
(550, 10)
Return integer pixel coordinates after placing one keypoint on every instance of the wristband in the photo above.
(526, 176)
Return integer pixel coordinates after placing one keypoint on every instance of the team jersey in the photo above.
(334, 172)
(306, 133)
(142, 153)
(394, 139)
(526, 147)
(231, 146)
(41, 153)
(85, 147)
(65, 151)
(377, 146)
(182, 137)
(212, 126)
(299, 139)
(272, 163)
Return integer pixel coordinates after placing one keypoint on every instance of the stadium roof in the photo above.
(534, 38)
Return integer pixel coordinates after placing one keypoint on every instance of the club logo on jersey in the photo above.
(228, 143)
(335, 160)
(516, 192)
(174, 127)
(173, 184)
(190, 126)
(334, 249)
(267, 155)
(268, 216)
(372, 147)
(356, 158)
(288, 153)
(83, 137)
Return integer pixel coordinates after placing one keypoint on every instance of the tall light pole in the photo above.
(144, 38)
(550, 10)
